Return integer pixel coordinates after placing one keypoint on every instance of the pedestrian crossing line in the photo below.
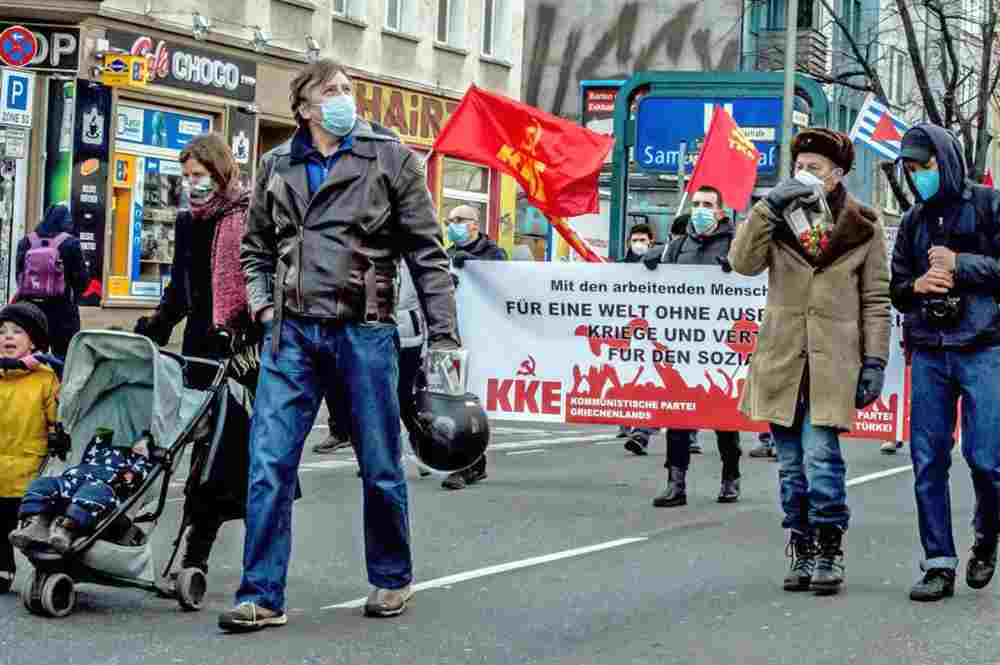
(879, 474)
(548, 441)
(502, 568)
(329, 464)
(530, 451)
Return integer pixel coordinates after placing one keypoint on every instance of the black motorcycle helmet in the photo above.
(453, 430)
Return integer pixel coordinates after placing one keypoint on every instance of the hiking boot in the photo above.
(676, 492)
(387, 602)
(332, 443)
(730, 491)
(937, 583)
(828, 576)
(34, 532)
(248, 617)
(982, 564)
(802, 551)
(763, 449)
(63, 533)
(890, 447)
(455, 481)
(637, 444)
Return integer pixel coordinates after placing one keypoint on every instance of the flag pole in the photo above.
(791, 39)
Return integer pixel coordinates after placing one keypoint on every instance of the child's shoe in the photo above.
(34, 531)
(63, 535)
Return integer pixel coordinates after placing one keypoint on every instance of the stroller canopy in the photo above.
(121, 381)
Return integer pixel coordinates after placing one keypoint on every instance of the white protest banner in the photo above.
(618, 344)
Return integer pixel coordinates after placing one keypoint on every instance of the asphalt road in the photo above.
(558, 557)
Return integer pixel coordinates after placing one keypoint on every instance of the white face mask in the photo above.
(808, 179)
(640, 247)
(200, 189)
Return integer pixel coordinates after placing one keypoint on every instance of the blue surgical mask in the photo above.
(702, 220)
(458, 233)
(339, 114)
(927, 183)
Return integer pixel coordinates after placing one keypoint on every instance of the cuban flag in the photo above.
(878, 128)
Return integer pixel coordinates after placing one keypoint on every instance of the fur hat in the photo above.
(835, 146)
(31, 319)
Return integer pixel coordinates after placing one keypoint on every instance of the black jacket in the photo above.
(966, 218)
(693, 249)
(483, 249)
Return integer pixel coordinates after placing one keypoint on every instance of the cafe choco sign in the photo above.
(416, 117)
(177, 65)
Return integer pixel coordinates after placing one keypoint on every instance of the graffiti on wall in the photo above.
(570, 42)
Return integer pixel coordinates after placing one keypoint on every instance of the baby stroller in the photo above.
(123, 382)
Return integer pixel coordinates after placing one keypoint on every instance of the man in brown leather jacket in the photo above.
(334, 210)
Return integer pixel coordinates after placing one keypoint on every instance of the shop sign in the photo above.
(13, 142)
(124, 70)
(191, 68)
(16, 92)
(416, 117)
(242, 139)
(158, 128)
(57, 47)
(124, 172)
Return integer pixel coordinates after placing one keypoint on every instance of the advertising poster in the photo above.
(91, 150)
(242, 139)
(59, 142)
(615, 344)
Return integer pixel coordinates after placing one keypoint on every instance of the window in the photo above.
(465, 183)
(842, 118)
(889, 202)
(395, 10)
(449, 22)
(850, 12)
(349, 8)
(496, 23)
(775, 19)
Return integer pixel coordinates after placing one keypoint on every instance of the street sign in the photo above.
(16, 91)
(124, 70)
(18, 46)
(662, 123)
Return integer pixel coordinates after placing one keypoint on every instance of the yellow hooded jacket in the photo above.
(27, 411)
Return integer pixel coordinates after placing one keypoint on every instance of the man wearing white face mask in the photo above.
(823, 344)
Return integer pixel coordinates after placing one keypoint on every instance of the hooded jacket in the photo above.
(701, 250)
(31, 400)
(481, 249)
(966, 218)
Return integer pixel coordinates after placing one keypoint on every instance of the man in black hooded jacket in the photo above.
(946, 280)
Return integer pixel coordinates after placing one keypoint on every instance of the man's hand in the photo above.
(870, 382)
(934, 282)
(651, 259)
(785, 192)
(460, 257)
(724, 263)
(942, 258)
(266, 314)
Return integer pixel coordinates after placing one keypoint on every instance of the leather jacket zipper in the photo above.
(302, 295)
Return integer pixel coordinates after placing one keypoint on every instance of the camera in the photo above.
(943, 312)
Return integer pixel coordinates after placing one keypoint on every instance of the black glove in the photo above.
(870, 382)
(153, 328)
(219, 343)
(59, 442)
(454, 279)
(724, 263)
(651, 259)
(11, 363)
(785, 192)
(459, 258)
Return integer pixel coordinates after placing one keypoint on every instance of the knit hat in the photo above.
(835, 146)
(31, 319)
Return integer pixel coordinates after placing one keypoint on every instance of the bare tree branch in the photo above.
(919, 71)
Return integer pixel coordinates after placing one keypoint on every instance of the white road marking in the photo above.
(329, 464)
(879, 474)
(530, 451)
(551, 441)
(502, 568)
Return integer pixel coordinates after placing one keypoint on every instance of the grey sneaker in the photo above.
(248, 617)
(763, 449)
(890, 447)
(388, 602)
(332, 443)
(34, 532)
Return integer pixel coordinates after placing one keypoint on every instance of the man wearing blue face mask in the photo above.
(333, 212)
(706, 242)
(946, 280)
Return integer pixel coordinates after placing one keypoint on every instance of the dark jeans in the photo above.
(812, 474)
(940, 377)
(9, 507)
(409, 367)
(85, 502)
(679, 451)
(362, 360)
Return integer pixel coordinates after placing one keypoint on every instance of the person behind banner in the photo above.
(823, 345)
(706, 242)
(945, 272)
(468, 244)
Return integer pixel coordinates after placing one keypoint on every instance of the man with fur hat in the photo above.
(823, 345)
(945, 273)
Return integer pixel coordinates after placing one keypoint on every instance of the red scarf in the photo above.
(230, 308)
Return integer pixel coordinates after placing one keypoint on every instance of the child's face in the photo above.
(14, 341)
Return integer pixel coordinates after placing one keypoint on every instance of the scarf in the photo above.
(230, 309)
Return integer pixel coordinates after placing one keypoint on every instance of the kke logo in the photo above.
(525, 394)
(523, 161)
(527, 367)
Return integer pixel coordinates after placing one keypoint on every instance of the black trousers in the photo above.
(679, 451)
(8, 522)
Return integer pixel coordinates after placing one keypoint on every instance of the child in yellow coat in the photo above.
(27, 414)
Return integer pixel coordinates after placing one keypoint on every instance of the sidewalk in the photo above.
(97, 318)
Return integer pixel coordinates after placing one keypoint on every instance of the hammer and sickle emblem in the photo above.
(527, 367)
(532, 135)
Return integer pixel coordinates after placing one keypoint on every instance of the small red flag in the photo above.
(555, 161)
(728, 162)
(988, 179)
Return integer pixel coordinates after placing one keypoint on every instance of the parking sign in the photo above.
(16, 93)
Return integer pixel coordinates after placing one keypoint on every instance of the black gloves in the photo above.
(651, 259)
(459, 258)
(59, 442)
(724, 263)
(870, 382)
(785, 192)
(153, 327)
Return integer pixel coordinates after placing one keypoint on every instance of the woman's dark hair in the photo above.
(214, 154)
(317, 72)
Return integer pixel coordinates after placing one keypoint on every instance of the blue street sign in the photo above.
(16, 89)
(662, 123)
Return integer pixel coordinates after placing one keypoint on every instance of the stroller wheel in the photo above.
(58, 595)
(191, 588)
(32, 593)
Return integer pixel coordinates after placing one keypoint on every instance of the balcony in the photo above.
(811, 55)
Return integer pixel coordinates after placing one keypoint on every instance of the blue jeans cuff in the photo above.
(949, 562)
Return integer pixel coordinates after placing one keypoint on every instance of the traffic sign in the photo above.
(16, 93)
(18, 46)
(662, 123)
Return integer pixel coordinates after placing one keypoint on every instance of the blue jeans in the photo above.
(362, 361)
(940, 377)
(811, 475)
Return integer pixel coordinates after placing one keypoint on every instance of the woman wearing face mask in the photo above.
(208, 289)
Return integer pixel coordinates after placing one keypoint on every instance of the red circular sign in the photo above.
(17, 46)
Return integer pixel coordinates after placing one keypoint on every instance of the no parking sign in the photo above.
(16, 92)
(18, 46)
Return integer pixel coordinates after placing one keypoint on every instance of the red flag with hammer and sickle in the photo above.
(728, 162)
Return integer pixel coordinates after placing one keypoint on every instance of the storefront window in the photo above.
(468, 184)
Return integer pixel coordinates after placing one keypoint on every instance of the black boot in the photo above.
(676, 492)
(730, 490)
(801, 549)
(982, 564)
(200, 539)
(937, 583)
(829, 573)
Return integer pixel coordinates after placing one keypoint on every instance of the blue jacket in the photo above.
(966, 218)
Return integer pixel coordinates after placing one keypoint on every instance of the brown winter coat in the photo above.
(831, 313)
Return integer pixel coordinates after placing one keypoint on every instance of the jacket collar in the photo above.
(854, 225)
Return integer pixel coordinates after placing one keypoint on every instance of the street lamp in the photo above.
(312, 48)
(200, 26)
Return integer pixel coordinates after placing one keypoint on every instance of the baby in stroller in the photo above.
(57, 511)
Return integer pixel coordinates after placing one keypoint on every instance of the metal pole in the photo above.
(791, 22)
